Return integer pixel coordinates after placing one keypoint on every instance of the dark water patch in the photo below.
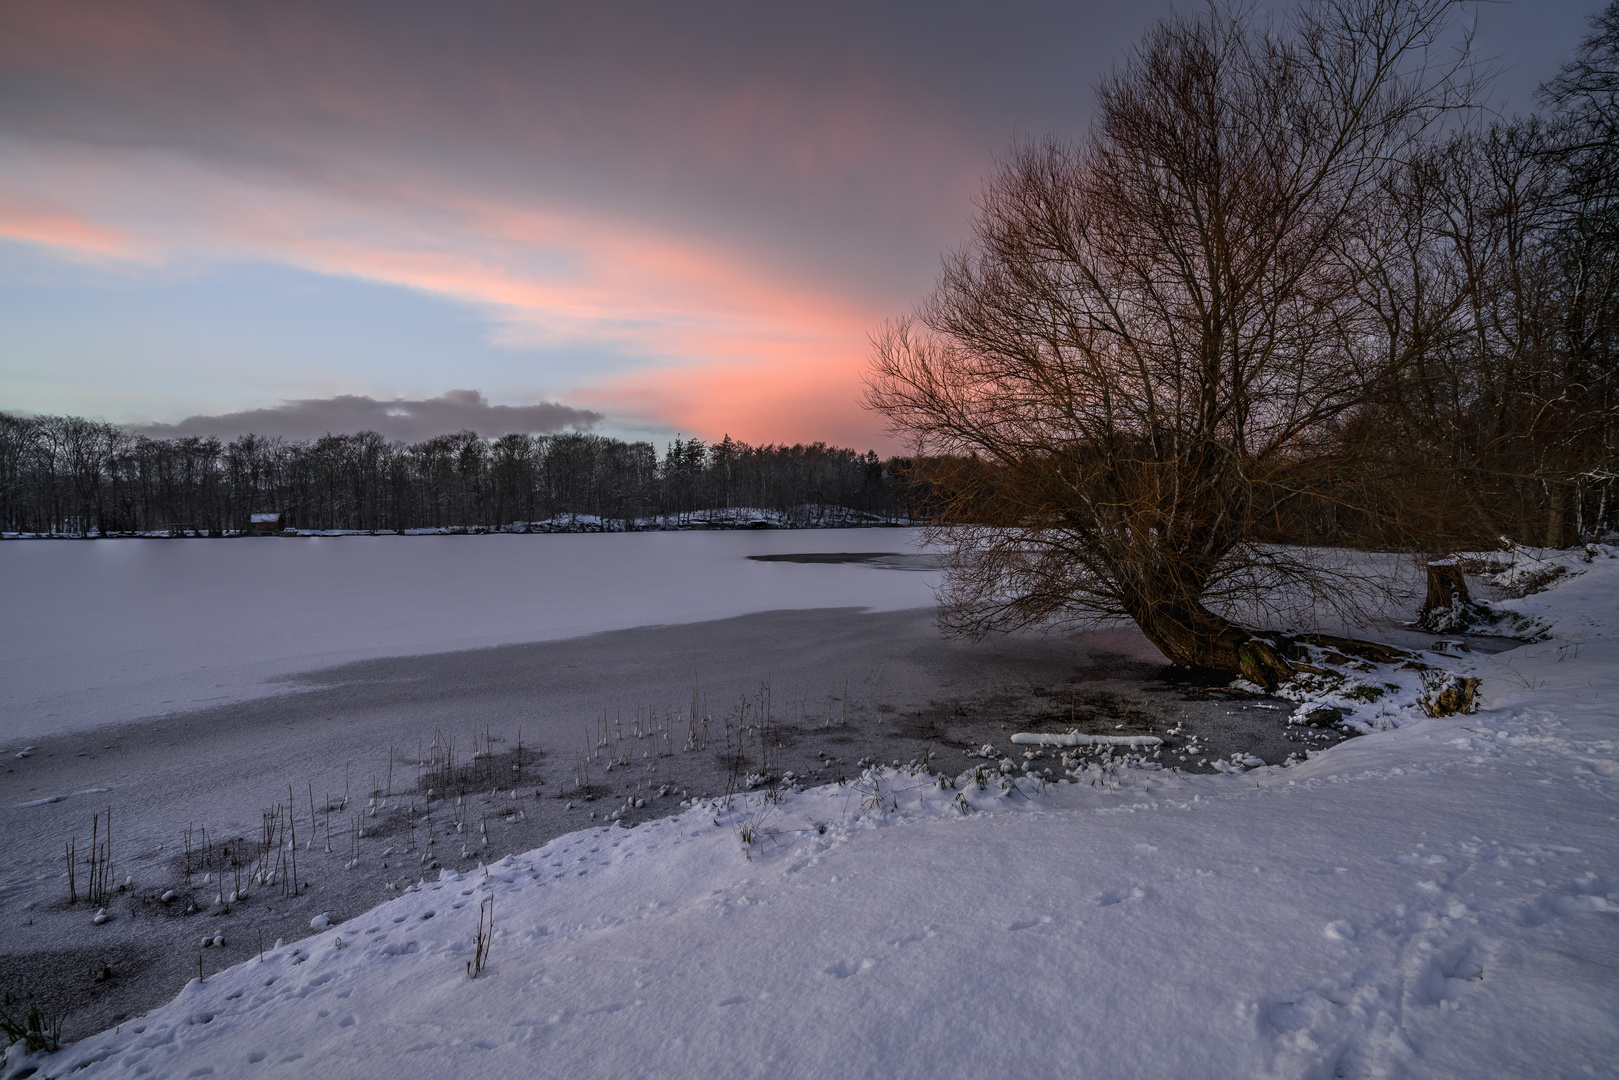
(827, 557)
(888, 560)
(1199, 683)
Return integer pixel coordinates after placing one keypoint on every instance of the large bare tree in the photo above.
(1153, 336)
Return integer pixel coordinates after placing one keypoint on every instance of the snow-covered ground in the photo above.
(1438, 899)
(104, 631)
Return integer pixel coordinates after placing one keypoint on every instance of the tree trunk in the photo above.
(1189, 633)
(1556, 513)
(1446, 587)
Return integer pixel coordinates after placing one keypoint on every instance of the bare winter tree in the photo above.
(1147, 348)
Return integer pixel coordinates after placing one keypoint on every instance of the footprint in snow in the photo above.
(1447, 974)
(844, 968)
(1030, 924)
(1118, 896)
(1339, 930)
(909, 939)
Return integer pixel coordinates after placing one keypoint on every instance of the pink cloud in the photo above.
(40, 224)
(722, 344)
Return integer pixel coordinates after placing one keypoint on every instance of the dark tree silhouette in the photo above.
(1146, 349)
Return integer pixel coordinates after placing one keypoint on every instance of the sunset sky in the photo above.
(637, 219)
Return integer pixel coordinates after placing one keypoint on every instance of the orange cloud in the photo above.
(810, 396)
(31, 222)
(720, 343)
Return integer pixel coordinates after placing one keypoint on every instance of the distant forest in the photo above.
(67, 475)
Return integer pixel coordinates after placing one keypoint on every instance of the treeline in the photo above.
(1500, 273)
(67, 475)
(1495, 271)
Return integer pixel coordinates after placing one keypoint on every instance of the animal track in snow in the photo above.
(844, 968)
(1117, 896)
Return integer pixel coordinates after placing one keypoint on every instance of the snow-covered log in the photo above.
(1074, 738)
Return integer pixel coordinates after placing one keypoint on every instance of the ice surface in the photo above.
(104, 631)
(1434, 900)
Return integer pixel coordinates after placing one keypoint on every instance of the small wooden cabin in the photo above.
(263, 524)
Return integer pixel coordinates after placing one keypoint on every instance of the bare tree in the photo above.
(1586, 90)
(1149, 345)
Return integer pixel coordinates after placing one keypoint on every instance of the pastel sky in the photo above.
(633, 218)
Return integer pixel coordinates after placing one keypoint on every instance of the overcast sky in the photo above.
(629, 218)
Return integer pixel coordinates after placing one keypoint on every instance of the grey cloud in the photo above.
(842, 140)
(398, 419)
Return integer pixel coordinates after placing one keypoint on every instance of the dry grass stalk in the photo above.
(486, 933)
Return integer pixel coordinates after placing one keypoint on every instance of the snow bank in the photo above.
(1441, 899)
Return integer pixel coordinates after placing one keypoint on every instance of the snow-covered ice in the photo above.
(1439, 899)
(103, 631)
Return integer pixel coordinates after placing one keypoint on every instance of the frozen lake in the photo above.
(319, 665)
(106, 631)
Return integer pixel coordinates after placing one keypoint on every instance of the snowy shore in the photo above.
(1439, 899)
